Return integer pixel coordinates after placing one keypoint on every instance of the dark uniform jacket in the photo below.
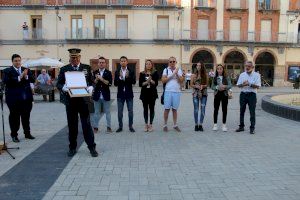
(64, 96)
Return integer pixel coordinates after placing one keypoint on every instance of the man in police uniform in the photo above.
(77, 105)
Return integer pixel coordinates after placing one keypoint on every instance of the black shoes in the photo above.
(15, 139)
(131, 130)
(29, 136)
(252, 131)
(196, 128)
(93, 152)
(71, 152)
(240, 129)
(200, 128)
(108, 130)
(119, 130)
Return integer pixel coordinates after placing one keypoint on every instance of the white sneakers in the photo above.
(215, 128)
(224, 127)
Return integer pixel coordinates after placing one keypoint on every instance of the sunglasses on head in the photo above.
(172, 61)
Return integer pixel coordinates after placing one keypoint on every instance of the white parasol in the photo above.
(43, 62)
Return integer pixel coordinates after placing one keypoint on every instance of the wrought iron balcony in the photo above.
(236, 5)
(34, 34)
(34, 3)
(164, 3)
(87, 34)
(268, 5)
(86, 3)
(204, 4)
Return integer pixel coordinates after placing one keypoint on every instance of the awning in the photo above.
(4, 64)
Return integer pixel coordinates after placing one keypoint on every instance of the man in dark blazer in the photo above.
(77, 105)
(18, 96)
(101, 96)
(124, 79)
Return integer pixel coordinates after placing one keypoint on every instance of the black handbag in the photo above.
(162, 98)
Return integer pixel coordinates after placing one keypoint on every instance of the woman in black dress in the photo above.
(148, 82)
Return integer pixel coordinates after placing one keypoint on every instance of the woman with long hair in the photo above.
(199, 83)
(148, 82)
(221, 84)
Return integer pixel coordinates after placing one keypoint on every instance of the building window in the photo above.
(36, 22)
(122, 27)
(235, 30)
(163, 27)
(266, 31)
(99, 27)
(202, 29)
(76, 27)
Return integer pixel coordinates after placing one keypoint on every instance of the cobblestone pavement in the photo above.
(190, 165)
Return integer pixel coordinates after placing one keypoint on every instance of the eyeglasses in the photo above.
(172, 61)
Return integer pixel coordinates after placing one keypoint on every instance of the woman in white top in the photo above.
(220, 84)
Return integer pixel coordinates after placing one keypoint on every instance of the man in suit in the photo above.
(124, 79)
(77, 105)
(101, 96)
(19, 97)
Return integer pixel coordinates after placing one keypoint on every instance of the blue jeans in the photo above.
(121, 103)
(196, 102)
(98, 114)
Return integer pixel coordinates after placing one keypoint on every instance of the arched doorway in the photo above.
(264, 64)
(205, 57)
(234, 64)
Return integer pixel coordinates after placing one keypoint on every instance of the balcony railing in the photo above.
(163, 34)
(204, 4)
(93, 34)
(121, 2)
(86, 2)
(34, 34)
(268, 5)
(164, 3)
(238, 36)
(34, 2)
(236, 4)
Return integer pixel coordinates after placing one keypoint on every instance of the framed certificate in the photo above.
(76, 84)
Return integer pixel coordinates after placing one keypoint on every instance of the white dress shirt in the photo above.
(253, 79)
(19, 70)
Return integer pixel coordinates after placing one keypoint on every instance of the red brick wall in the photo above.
(294, 5)
(211, 15)
(271, 15)
(243, 16)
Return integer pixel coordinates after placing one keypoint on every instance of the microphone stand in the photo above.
(4, 147)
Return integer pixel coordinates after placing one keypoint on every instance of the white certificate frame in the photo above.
(76, 84)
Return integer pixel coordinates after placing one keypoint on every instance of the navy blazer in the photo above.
(100, 87)
(64, 96)
(127, 84)
(17, 91)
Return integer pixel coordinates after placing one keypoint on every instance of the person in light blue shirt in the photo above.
(249, 81)
(43, 80)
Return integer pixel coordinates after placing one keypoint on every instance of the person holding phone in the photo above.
(220, 85)
(148, 82)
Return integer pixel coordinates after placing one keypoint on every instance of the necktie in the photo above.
(19, 71)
